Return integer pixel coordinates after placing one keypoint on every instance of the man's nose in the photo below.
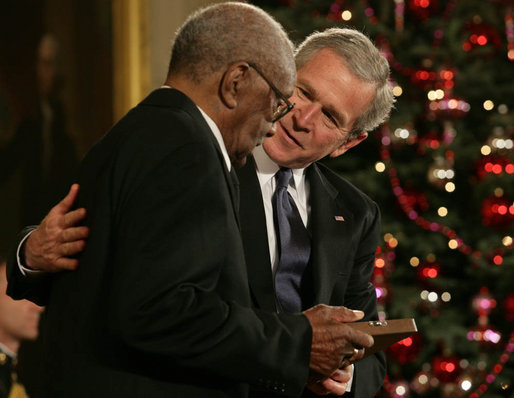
(34, 307)
(305, 115)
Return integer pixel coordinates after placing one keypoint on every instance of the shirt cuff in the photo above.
(25, 271)
(349, 384)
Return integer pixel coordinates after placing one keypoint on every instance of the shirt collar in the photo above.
(7, 351)
(217, 134)
(267, 168)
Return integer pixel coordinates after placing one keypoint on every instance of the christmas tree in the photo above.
(442, 172)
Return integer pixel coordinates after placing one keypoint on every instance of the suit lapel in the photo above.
(232, 183)
(255, 238)
(331, 227)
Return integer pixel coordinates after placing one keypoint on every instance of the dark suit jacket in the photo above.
(160, 305)
(343, 254)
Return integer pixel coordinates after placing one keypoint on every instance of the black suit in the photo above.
(160, 305)
(343, 253)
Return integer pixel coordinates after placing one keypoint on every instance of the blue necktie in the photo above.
(294, 245)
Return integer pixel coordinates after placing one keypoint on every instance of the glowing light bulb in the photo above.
(453, 244)
(346, 15)
(488, 105)
(485, 150)
(450, 187)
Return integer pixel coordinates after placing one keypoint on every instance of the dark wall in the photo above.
(83, 32)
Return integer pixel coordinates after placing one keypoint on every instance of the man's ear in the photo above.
(349, 144)
(232, 83)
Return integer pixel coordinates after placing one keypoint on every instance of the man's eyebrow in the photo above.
(333, 111)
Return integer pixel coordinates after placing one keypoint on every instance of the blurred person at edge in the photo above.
(19, 321)
(41, 147)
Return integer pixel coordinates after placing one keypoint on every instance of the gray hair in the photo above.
(224, 33)
(364, 60)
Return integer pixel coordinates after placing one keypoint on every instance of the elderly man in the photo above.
(19, 321)
(161, 303)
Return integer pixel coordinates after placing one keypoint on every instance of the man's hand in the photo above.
(335, 384)
(332, 340)
(56, 238)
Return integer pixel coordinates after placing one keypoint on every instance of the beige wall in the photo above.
(142, 34)
(165, 18)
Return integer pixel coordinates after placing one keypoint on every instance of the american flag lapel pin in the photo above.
(339, 218)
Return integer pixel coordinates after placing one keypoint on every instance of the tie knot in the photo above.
(283, 176)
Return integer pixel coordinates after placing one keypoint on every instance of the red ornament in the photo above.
(406, 350)
(424, 9)
(428, 271)
(423, 78)
(494, 166)
(446, 368)
(480, 35)
(497, 212)
(508, 307)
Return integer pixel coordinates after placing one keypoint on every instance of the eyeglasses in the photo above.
(283, 106)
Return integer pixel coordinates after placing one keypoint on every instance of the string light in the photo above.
(503, 109)
(380, 167)
(485, 150)
(466, 385)
(496, 368)
(507, 241)
(446, 105)
(397, 91)
(501, 143)
(442, 211)
(488, 105)
(449, 187)
(346, 15)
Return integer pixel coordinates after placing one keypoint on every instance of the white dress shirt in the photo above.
(298, 189)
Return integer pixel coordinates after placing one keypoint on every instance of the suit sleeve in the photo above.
(172, 295)
(34, 287)
(369, 373)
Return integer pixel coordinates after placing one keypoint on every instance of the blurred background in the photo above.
(441, 170)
